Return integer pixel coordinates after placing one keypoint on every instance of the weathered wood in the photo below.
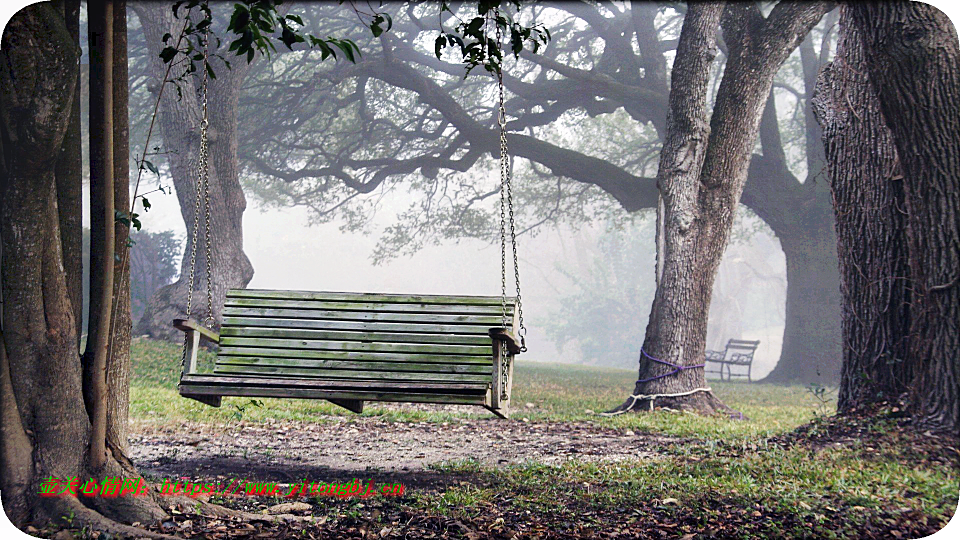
(304, 344)
(313, 373)
(381, 337)
(409, 318)
(505, 335)
(209, 379)
(353, 355)
(190, 324)
(240, 322)
(360, 365)
(366, 306)
(370, 297)
(349, 348)
(213, 401)
(320, 393)
(352, 405)
(497, 382)
(190, 358)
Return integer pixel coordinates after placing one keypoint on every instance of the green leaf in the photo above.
(167, 54)
(153, 168)
(439, 45)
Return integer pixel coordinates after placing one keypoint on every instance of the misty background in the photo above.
(587, 281)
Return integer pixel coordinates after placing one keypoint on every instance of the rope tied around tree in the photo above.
(676, 367)
(634, 398)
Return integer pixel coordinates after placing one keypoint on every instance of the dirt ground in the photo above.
(368, 446)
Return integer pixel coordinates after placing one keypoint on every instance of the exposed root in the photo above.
(125, 509)
(215, 510)
(71, 512)
(703, 403)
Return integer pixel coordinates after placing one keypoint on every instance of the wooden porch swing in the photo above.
(349, 348)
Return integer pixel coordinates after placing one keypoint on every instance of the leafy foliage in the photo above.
(478, 47)
(254, 25)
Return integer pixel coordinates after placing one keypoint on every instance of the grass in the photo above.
(762, 477)
(557, 393)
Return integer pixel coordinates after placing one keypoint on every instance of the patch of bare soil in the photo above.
(366, 446)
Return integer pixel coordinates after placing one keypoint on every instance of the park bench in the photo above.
(349, 348)
(738, 352)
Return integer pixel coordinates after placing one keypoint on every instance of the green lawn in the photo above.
(788, 470)
(559, 393)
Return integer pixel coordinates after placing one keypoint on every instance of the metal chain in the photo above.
(506, 207)
(506, 211)
(201, 205)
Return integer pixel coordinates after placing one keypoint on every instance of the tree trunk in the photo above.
(801, 216)
(118, 359)
(811, 336)
(701, 177)
(69, 191)
(180, 126)
(45, 431)
(913, 59)
(867, 184)
(102, 226)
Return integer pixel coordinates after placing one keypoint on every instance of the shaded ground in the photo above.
(291, 451)
(485, 478)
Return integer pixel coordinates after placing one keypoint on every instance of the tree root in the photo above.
(703, 403)
(215, 510)
(71, 512)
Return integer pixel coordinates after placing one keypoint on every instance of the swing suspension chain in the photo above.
(506, 206)
(201, 205)
(506, 212)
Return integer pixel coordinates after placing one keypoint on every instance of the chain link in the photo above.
(201, 205)
(506, 212)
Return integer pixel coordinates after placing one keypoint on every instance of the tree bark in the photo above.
(102, 226)
(118, 358)
(702, 174)
(69, 191)
(46, 430)
(868, 192)
(180, 126)
(913, 59)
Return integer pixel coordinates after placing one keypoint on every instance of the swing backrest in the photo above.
(361, 337)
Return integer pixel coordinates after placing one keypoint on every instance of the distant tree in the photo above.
(154, 262)
(603, 312)
(586, 118)
(703, 169)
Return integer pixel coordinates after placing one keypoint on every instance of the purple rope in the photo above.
(676, 368)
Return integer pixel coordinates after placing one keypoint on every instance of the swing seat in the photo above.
(349, 348)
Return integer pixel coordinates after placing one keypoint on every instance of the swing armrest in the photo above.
(190, 325)
(502, 334)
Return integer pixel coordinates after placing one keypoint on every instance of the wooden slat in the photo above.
(358, 346)
(357, 365)
(408, 318)
(383, 337)
(187, 325)
(195, 391)
(364, 326)
(355, 355)
(343, 374)
(392, 386)
(369, 297)
(367, 306)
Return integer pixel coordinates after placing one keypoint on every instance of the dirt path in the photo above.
(291, 451)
